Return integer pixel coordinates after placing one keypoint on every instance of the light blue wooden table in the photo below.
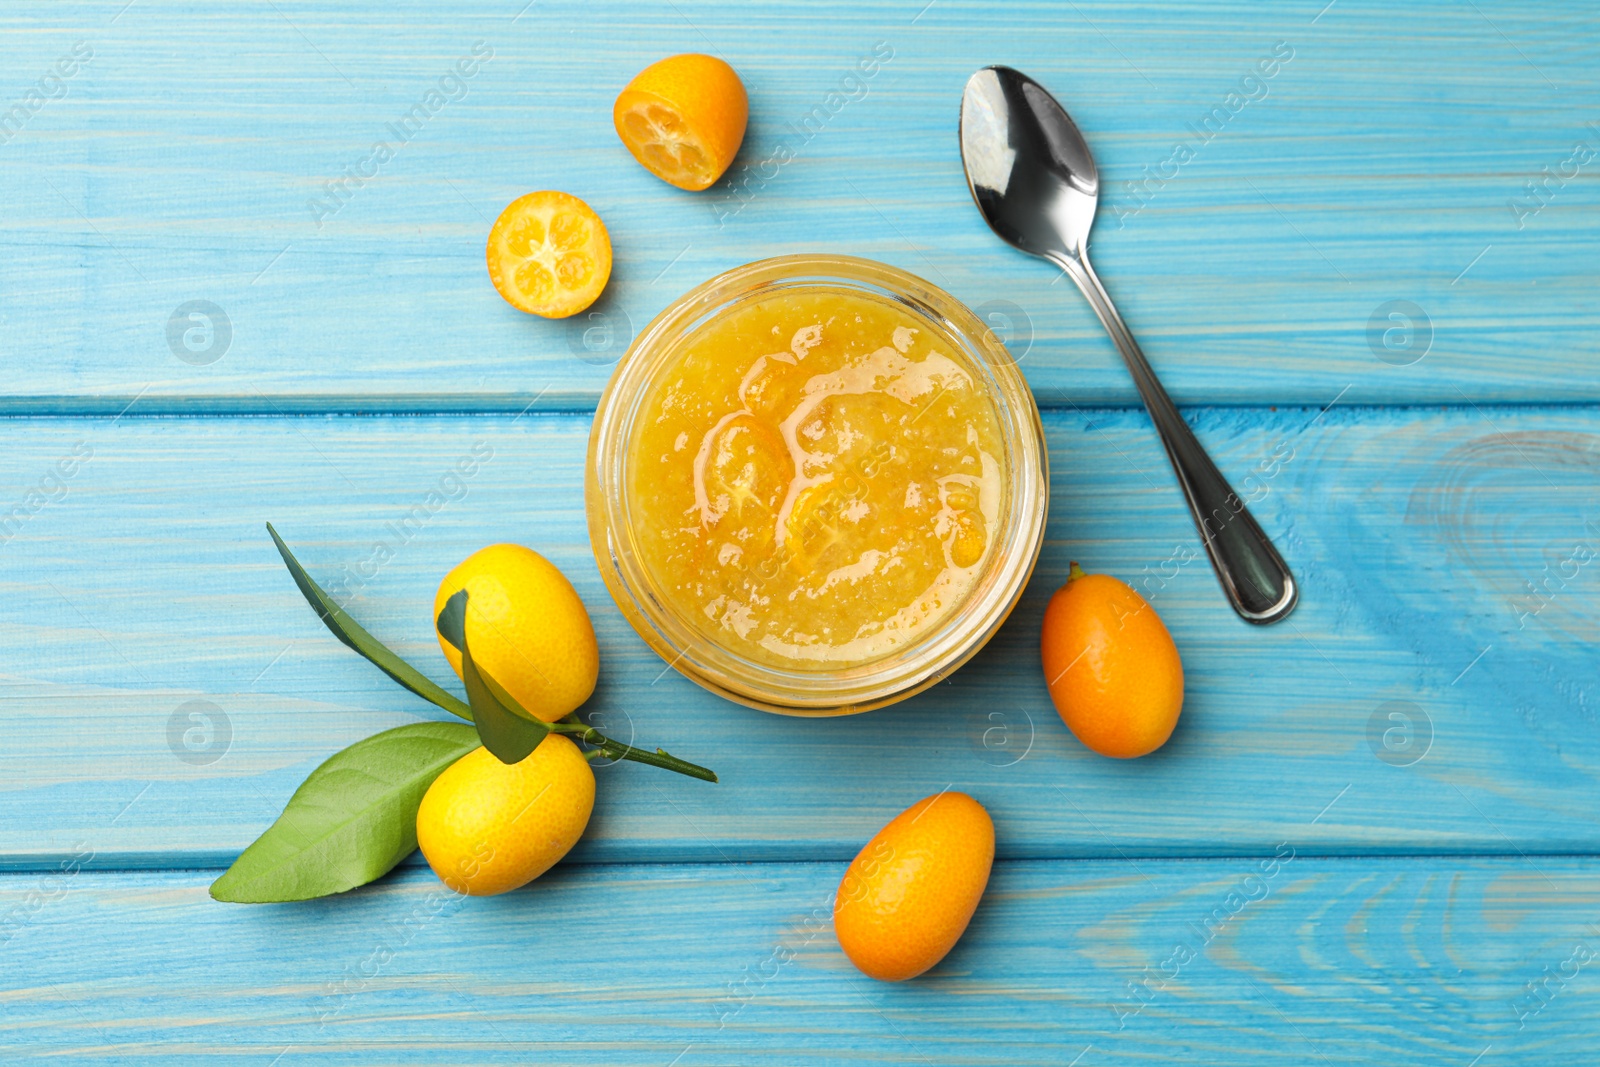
(1436, 488)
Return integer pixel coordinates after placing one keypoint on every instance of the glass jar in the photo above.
(821, 689)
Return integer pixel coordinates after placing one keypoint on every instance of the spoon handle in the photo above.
(1253, 575)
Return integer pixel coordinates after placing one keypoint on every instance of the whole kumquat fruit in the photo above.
(549, 254)
(1113, 671)
(488, 827)
(683, 118)
(909, 894)
(527, 628)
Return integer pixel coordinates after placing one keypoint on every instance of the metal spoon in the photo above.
(1035, 182)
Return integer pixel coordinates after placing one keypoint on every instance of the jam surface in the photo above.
(815, 479)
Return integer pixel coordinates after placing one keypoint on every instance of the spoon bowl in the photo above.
(1027, 163)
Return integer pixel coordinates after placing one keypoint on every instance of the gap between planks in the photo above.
(115, 408)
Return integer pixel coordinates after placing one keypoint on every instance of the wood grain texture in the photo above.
(1363, 961)
(1417, 537)
(1380, 164)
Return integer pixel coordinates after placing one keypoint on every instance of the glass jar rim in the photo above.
(900, 673)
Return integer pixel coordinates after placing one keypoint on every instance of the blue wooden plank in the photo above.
(1269, 959)
(1381, 163)
(1441, 554)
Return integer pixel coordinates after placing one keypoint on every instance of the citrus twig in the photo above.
(615, 750)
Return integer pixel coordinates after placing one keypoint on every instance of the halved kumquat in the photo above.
(549, 254)
(683, 118)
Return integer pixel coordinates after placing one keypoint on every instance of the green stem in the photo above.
(615, 750)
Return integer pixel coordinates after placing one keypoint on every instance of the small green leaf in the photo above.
(504, 726)
(351, 633)
(452, 621)
(351, 820)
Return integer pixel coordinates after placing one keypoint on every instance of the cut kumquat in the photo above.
(549, 254)
(683, 118)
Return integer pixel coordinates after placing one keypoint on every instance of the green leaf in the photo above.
(452, 620)
(504, 726)
(351, 633)
(351, 820)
